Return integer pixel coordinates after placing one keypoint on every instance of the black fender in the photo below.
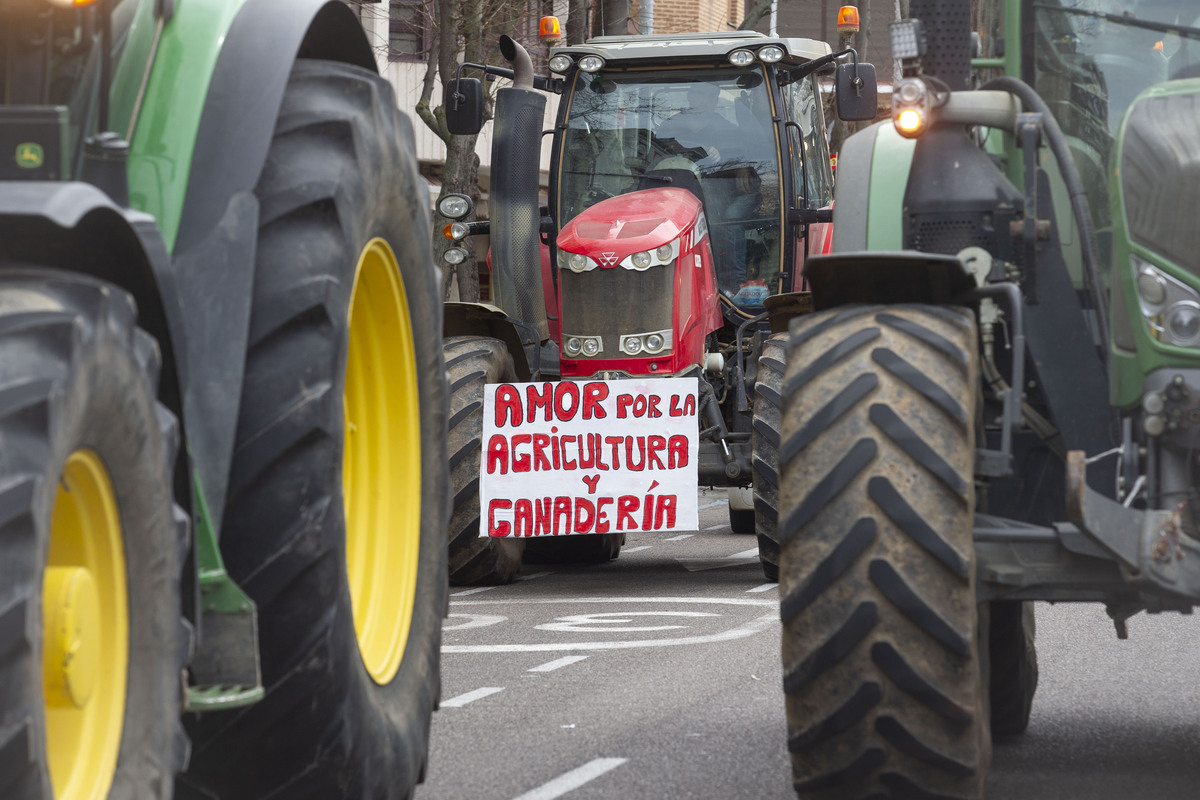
(76, 227)
(481, 319)
(214, 253)
(903, 276)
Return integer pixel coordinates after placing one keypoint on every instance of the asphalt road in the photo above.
(658, 676)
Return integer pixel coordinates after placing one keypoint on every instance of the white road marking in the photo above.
(751, 553)
(572, 780)
(735, 560)
(628, 550)
(580, 623)
(550, 666)
(534, 575)
(470, 697)
(750, 628)
(717, 527)
(476, 590)
(710, 505)
(473, 621)
(766, 587)
(680, 538)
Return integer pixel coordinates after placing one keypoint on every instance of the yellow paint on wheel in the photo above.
(381, 464)
(85, 632)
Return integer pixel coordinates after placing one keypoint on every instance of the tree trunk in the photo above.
(577, 21)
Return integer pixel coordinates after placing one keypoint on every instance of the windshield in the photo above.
(1093, 57)
(706, 130)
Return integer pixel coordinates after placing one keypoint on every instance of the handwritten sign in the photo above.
(578, 457)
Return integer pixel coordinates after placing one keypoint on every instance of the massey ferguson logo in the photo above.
(608, 259)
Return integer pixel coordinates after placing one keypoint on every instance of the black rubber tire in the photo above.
(1013, 676)
(76, 374)
(741, 520)
(881, 649)
(764, 451)
(340, 172)
(472, 362)
(599, 548)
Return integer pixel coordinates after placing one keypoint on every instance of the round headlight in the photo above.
(909, 120)
(770, 54)
(664, 253)
(455, 255)
(577, 262)
(654, 343)
(641, 260)
(1183, 323)
(741, 58)
(459, 230)
(633, 345)
(591, 63)
(590, 347)
(910, 91)
(573, 346)
(1151, 288)
(454, 206)
(560, 64)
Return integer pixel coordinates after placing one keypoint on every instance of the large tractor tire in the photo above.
(1013, 666)
(92, 641)
(338, 501)
(472, 362)
(764, 451)
(596, 548)
(881, 649)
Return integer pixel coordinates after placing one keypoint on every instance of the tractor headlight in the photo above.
(770, 54)
(1183, 323)
(650, 344)
(1170, 307)
(454, 256)
(663, 254)
(560, 64)
(591, 63)
(741, 58)
(910, 107)
(591, 346)
(454, 206)
(576, 262)
(573, 346)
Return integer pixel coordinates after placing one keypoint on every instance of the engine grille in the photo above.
(611, 302)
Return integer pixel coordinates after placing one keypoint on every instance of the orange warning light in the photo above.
(847, 21)
(549, 31)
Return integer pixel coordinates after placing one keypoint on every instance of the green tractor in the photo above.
(223, 483)
(997, 399)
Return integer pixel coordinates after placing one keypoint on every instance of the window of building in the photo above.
(408, 30)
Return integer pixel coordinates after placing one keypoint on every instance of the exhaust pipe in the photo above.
(515, 216)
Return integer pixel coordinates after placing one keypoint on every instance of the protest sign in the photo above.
(578, 457)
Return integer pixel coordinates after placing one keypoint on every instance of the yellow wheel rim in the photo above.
(85, 632)
(381, 464)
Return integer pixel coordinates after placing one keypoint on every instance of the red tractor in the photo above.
(689, 180)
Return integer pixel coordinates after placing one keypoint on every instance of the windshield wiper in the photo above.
(1133, 22)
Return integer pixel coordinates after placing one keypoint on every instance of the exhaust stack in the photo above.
(515, 217)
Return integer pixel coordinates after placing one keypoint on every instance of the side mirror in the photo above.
(463, 100)
(857, 92)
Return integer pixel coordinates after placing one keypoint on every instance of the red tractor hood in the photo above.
(630, 223)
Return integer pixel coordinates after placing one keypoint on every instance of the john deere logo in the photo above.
(30, 155)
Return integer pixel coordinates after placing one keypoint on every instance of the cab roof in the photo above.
(690, 47)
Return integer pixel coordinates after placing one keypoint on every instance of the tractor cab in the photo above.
(735, 119)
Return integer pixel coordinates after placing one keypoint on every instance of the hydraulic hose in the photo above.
(1066, 167)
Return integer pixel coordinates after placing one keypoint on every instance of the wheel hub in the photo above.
(70, 603)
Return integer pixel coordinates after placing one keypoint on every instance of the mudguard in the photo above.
(210, 224)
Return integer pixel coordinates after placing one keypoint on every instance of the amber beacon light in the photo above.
(847, 20)
(549, 31)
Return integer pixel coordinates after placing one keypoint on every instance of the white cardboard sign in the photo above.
(576, 457)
